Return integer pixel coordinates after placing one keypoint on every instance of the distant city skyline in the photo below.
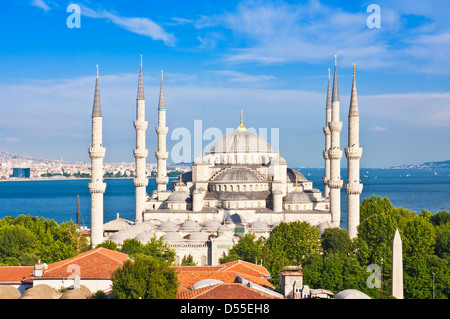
(268, 58)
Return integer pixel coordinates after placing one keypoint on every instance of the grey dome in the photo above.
(297, 197)
(212, 225)
(178, 197)
(168, 225)
(198, 237)
(80, 293)
(234, 219)
(238, 174)
(351, 294)
(241, 142)
(190, 225)
(145, 237)
(292, 174)
(259, 226)
(172, 236)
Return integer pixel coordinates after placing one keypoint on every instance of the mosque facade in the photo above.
(241, 185)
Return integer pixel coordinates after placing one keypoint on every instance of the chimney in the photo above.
(291, 281)
(38, 269)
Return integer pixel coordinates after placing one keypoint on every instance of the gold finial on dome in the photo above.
(241, 127)
(181, 188)
(296, 183)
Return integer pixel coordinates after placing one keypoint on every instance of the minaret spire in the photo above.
(327, 133)
(97, 153)
(140, 152)
(161, 155)
(353, 188)
(335, 154)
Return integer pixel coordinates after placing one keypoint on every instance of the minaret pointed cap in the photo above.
(140, 92)
(329, 91)
(335, 96)
(354, 111)
(162, 102)
(97, 108)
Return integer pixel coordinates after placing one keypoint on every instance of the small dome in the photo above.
(145, 237)
(190, 225)
(9, 292)
(145, 226)
(259, 226)
(172, 236)
(81, 293)
(297, 197)
(351, 294)
(212, 225)
(168, 225)
(178, 197)
(198, 237)
(40, 291)
(120, 236)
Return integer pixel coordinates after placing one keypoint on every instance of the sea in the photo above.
(414, 189)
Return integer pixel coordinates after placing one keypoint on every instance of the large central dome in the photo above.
(241, 141)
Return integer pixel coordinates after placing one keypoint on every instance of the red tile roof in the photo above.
(14, 274)
(226, 291)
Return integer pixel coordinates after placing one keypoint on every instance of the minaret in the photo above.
(141, 152)
(335, 154)
(353, 188)
(327, 132)
(96, 186)
(161, 154)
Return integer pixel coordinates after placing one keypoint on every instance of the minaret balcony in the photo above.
(97, 152)
(353, 188)
(140, 182)
(140, 125)
(326, 155)
(335, 183)
(162, 155)
(326, 130)
(335, 126)
(161, 179)
(325, 180)
(353, 153)
(140, 152)
(162, 130)
(96, 187)
(335, 154)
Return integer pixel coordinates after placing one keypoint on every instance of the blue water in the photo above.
(57, 199)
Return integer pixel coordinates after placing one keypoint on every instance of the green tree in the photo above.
(336, 240)
(440, 218)
(188, 261)
(16, 240)
(443, 242)
(108, 244)
(146, 278)
(249, 248)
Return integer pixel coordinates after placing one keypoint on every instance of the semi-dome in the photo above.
(172, 236)
(178, 197)
(259, 226)
(211, 225)
(297, 197)
(198, 237)
(190, 225)
(168, 225)
(234, 219)
(238, 174)
(241, 141)
(293, 174)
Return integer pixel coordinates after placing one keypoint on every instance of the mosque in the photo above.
(240, 185)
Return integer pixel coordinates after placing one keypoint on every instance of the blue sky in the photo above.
(269, 58)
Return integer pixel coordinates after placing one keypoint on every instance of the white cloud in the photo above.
(40, 4)
(378, 129)
(236, 76)
(142, 26)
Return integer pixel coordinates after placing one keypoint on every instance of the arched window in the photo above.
(203, 261)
